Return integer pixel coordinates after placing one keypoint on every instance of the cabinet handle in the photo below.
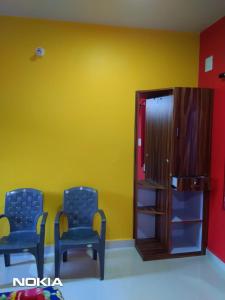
(177, 132)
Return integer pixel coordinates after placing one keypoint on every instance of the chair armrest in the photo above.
(2, 216)
(102, 215)
(103, 223)
(58, 216)
(56, 225)
(44, 218)
(43, 222)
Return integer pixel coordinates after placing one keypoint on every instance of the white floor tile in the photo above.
(127, 277)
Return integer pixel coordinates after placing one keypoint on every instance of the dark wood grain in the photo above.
(205, 221)
(152, 249)
(193, 184)
(192, 132)
(178, 143)
(149, 184)
(150, 210)
(158, 138)
(161, 232)
(135, 167)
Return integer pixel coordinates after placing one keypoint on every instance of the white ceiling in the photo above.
(180, 15)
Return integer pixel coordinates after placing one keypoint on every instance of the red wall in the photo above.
(212, 42)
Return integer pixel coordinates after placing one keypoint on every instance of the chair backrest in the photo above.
(23, 208)
(80, 205)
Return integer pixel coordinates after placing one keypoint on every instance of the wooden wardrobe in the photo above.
(172, 171)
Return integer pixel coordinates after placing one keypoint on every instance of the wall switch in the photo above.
(139, 142)
(208, 63)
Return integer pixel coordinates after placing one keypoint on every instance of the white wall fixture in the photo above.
(208, 63)
(40, 51)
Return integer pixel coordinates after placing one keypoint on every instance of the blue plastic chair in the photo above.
(23, 207)
(80, 206)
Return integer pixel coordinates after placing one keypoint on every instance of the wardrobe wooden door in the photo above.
(158, 138)
(192, 132)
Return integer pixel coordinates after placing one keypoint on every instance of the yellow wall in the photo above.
(67, 119)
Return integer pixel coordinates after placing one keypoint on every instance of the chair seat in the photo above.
(19, 240)
(79, 237)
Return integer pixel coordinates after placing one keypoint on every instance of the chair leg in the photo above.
(65, 256)
(7, 260)
(102, 261)
(37, 263)
(94, 252)
(57, 263)
(41, 262)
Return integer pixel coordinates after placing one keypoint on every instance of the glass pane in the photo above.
(187, 206)
(146, 197)
(186, 237)
(145, 226)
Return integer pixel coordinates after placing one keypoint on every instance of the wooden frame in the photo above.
(160, 247)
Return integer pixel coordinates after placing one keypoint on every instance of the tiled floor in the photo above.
(128, 277)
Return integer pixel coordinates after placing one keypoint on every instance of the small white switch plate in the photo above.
(209, 64)
(139, 142)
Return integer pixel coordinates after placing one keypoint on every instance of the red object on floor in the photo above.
(212, 43)
(32, 294)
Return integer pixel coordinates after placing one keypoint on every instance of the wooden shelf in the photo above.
(187, 249)
(151, 249)
(148, 184)
(151, 210)
(171, 171)
(187, 221)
